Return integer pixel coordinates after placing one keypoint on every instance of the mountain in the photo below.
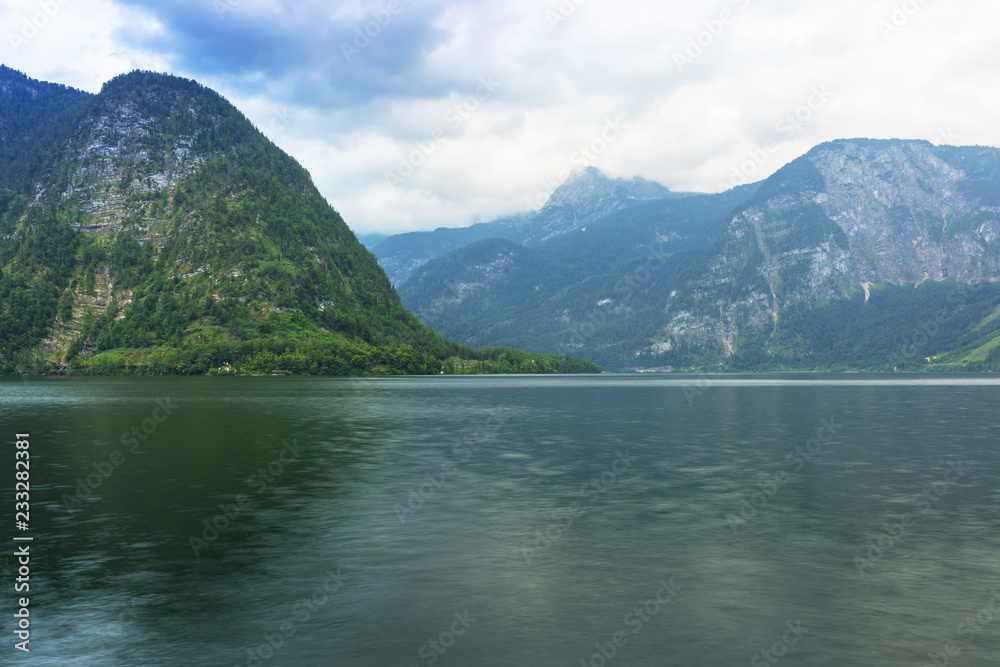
(612, 270)
(844, 258)
(847, 215)
(586, 196)
(371, 240)
(34, 118)
(154, 229)
(402, 254)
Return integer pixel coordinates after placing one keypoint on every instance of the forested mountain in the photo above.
(402, 254)
(549, 295)
(816, 267)
(35, 118)
(152, 228)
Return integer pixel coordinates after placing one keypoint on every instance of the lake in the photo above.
(609, 520)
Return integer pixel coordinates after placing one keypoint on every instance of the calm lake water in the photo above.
(613, 520)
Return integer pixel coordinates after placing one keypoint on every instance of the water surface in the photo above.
(513, 521)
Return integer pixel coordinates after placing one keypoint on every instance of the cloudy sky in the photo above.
(415, 114)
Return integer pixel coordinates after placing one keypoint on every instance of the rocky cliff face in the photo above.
(125, 158)
(847, 214)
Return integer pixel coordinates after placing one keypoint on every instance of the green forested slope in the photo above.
(597, 291)
(160, 232)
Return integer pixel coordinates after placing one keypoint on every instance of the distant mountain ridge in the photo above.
(495, 290)
(586, 196)
(818, 264)
(402, 254)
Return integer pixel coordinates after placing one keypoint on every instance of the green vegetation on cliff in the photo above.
(152, 229)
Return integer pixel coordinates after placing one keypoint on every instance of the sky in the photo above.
(417, 114)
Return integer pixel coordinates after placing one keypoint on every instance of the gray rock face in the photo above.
(586, 196)
(122, 163)
(906, 214)
(848, 213)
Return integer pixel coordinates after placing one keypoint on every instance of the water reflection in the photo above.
(384, 512)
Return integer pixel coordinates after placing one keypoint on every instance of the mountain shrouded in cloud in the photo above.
(587, 195)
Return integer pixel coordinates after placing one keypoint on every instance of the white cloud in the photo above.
(934, 69)
(75, 42)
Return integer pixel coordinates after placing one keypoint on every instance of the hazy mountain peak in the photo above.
(590, 185)
(587, 195)
(587, 173)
